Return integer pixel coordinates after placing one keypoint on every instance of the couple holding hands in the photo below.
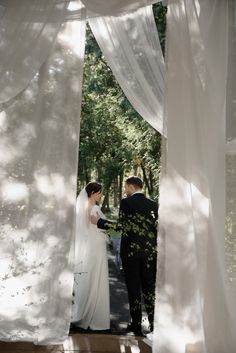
(137, 223)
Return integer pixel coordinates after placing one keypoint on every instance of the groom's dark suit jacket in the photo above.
(137, 223)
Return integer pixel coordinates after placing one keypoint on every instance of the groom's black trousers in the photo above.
(140, 278)
(137, 223)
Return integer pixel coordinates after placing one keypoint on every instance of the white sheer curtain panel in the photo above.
(231, 155)
(38, 160)
(115, 7)
(27, 30)
(231, 87)
(194, 312)
(131, 46)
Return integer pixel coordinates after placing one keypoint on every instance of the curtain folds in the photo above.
(27, 33)
(42, 51)
(115, 7)
(38, 177)
(230, 238)
(29, 28)
(194, 312)
(131, 46)
(231, 86)
(39, 133)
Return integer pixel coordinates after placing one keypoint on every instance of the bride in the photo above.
(91, 301)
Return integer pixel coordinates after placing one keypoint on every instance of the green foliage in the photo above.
(160, 12)
(115, 140)
(101, 147)
(144, 228)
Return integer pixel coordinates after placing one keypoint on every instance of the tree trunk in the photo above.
(99, 173)
(151, 182)
(84, 169)
(146, 179)
(121, 186)
(116, 192)
(87, 175)
(105, 204)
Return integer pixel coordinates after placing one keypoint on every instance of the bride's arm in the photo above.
(99, 219)
(96, 210)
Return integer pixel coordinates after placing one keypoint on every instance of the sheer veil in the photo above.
(91, 287)
(82, 233)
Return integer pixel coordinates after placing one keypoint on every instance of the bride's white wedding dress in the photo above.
(91, 300)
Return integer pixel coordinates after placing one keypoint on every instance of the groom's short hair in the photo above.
(134, 180)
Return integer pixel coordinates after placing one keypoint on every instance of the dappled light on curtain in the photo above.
(27, 30)
(231, 157)
(38, 160)
(115, 7)
(40, 100)
(194, 310)
(131, 46)
(39, 127)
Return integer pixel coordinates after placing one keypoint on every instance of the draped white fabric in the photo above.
(38, 156)
(231, 155)
(131, 46)
(115, 7)
(231, 87)
(29, 28)
(194, 312)
(27, 31)
(38, 160)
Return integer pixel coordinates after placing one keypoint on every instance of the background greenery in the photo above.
(115, 141)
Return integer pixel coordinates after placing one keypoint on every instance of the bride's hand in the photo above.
(94, 219)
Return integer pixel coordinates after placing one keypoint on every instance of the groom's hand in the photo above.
(94, 219)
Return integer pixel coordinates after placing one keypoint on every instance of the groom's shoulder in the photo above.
(152, 202)
(124, 204)
(129, 201)
(126, 200)
(123, 201)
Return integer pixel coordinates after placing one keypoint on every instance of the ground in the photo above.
(91, 342)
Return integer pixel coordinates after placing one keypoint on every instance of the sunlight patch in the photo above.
(3, 121)
(14, 191)
(51, 185)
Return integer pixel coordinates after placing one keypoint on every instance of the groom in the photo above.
(137, 222)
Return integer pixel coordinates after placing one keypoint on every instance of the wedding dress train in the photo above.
(91, 301)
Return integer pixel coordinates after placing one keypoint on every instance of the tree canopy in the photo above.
(115, 141)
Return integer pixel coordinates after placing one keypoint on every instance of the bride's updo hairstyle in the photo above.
(93, 188)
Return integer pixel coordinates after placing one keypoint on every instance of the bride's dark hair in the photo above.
(93, 188)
